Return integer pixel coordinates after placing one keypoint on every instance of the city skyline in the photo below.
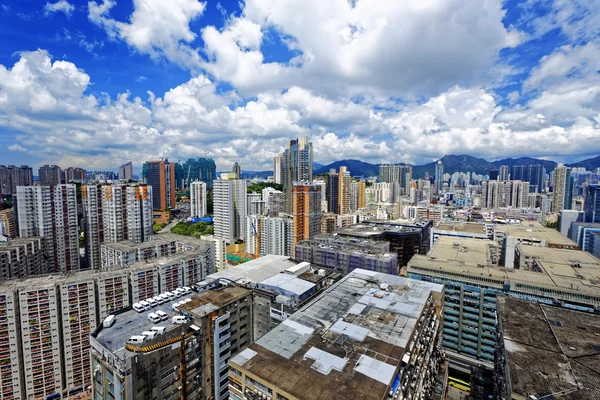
(90, 84)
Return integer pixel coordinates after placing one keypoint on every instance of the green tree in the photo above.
(259, 186)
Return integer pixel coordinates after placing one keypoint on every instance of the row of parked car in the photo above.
(147, 335)
(152, 302)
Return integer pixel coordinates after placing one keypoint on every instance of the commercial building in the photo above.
(20, 258)
(296, 166)
(406, 238)
(49, 175)
(581, 233)
(126, 171)
(187, 360)
(307, 211)
(198, 199)
(12, 176)
(113, 213)
(200, 169)
(566, 217)
(555, 357)
(277, 173)
(347, 254)
(160, 175)
(269, 235)
(500, 194)
(472, 274)
(237, 170)
(37, 208)
(592, 203)
(367, 337)
(224, 218)
(472, 230)
(531, 233)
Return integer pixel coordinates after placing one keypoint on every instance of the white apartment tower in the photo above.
(224, 225)
(10, 379)
(50, 212)
(274, 235)
(240, 207)
(113, 213)
(277, 168)
(198, 199)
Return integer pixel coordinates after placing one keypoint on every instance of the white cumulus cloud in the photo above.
(60, 6)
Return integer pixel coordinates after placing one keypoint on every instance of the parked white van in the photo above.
(179, 319)
(159, 330)
(138, 307)
(187, 289)
(170, 295)
(164, 298)
(149, 334)
(179, 292)
(152, 302)
(109, 321)
(144, 304)
(137, 339)
(154, 318)
(163, 315)
(159, 300)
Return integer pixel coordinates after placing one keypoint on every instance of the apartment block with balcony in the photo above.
(79, 319)
(20, 258)
(113, 292)
(11, 383)
(41, 339)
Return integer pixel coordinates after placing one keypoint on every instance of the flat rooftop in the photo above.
(347, 343)
(364, 246)
(467, 227)
(469, 257)
(550, 349)
(156, 240)
(376, 227)
(253, 271)
(533, 230)
(131, 323)
(212, 300)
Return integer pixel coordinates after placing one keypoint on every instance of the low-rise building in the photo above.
(406, 237)
(370, 336)
(347, 254)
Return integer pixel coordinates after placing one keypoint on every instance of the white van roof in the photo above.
(160, 312)
(138, 337)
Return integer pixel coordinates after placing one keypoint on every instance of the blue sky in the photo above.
(101, 83)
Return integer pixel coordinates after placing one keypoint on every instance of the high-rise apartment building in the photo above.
(13, 176)
(518, 173)
(51, 213)
(504, 173)
(296, 166)
(49, 175)
(353, 196)
(400, 173)
(8, 223)
(200, 169)
(361, 194)
(500, 194)
(561, 199)
(161, 176)
(113, 213)
(240, 207)
(269, 235)
(126, 171)
(592, 203)
(237, 170)
(307, 211)
(277, 174)
(333, 190)
(20, 258)
(74, 175)
(439, 176)
(198, 199)
(224, 218)
(344, 191)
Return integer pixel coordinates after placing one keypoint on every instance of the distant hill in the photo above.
(549, 165)
(317, 166)
(453, 163)
(356, 168)
(256, 174)
(589, 164)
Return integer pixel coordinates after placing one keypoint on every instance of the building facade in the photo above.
(307, 211)
(49, 175)
(296, 166)
(269, 235)
(126, 171)
(224, 217)
(20, 258)
(198, 199)
(277, 175)
(200, 169)
(592, 203)
(160, 176)
(37, 208)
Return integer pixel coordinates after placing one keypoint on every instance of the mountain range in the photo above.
(454, 163)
